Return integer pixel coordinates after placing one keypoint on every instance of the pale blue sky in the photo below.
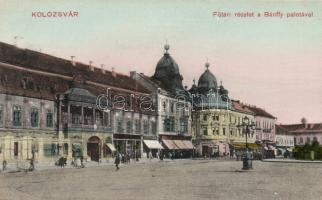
(270, 62)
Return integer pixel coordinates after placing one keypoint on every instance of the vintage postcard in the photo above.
(160, 100)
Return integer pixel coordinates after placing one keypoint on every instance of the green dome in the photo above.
(207, 81)
(167, 72)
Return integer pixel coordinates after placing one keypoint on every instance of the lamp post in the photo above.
(247, 160)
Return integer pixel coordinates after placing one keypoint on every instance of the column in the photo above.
(82, 115)
(141, 146)
(59, 115)
(69, 116)
(94, 117)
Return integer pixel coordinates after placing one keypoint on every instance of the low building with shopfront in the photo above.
(49, 108)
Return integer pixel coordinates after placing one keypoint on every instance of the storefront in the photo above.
(177, 146)
(127, 144)
(152, 148)
(212, 148)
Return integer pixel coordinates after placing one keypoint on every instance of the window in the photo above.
(217, 131)
(15, 149)
(301, 140)
(119, 126)
(169, 124)
(183, 126)
(129, 127)
(66, 148)
(204, 117)
(164, 106)
(205, 131)
(224, 131)
(50, 150)
(154, 128)
(308, 140)
(98, 117)
(315, 139)
(16, 116)
(231, 132)
(34, 117)
(172, 124)
(146, 127)
(172, 107)
(137, 126)
(1, 115)
(49, 119)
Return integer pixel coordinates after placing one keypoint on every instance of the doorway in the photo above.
(93, 148)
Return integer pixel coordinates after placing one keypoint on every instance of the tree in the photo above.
(303, 120)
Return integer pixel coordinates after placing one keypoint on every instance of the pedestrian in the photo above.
(32, 165)
(82, 159)
(4, 165)
(117, 161)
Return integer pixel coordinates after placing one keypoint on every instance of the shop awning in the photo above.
(243, 145)
(152, 144)
(111, 146)
(179, 144)
(270, 147)
(170, 144)
(188, 144)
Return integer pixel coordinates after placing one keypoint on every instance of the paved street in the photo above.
(182, 179)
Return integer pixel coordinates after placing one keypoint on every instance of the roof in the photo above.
(302, 128)
(260, 112)
(207, 81)
(43, 62)
(280, 130)
(241, 107)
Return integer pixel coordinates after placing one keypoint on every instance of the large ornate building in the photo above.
(173, 105)
(216, 119)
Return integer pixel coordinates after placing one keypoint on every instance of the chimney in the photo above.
(113, 72)
(91, 67)
(72, 59)
(102, 69)
(132, 74)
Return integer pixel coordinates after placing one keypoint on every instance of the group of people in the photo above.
(124, 158)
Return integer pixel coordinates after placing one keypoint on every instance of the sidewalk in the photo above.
(280, 160)
(23, 166)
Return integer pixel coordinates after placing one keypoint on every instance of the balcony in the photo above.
(87, 128)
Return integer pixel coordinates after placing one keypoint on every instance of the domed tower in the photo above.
(194, 88)
(207, 81)
(167, 72)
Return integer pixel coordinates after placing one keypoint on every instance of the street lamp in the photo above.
(247, 160)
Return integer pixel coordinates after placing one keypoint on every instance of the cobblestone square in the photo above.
(179, 179)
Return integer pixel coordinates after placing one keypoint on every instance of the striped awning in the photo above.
(239, 145)
(152, 144)
(111, 146)
(178, 144)
(170, 144)
(188, 144)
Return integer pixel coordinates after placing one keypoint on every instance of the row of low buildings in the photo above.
(52, 107)
(287, 136)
